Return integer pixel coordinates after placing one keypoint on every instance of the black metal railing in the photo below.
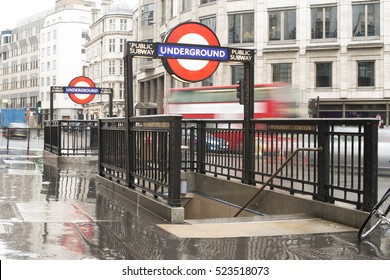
(338, 162)
(143, 153)
(113, 151)
(345, 169)
(71, 137)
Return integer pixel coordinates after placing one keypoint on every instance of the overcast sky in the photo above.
(12, 11)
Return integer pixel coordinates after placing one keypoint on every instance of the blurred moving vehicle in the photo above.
(274, 100)
(16, 130)
(213, 144)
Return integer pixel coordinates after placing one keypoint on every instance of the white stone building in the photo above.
(62, 55)
(44, 50)
(112, 26)
(19, 66)
(335, 50)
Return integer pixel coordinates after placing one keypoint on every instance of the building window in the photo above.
(121, 91)
(237, 73)
(23, 102)
(324, 74)
(208, 82)
(112, 23)
(282, 25)
(33, 101)
(163, 11)
(323, 22)
(111, 45)
(366, 20)
(186, 5)
(173, 8)
(123, 24)
(366, 74)
(14, 102)
(147, 14)
(241, 28)
(122, 43)
(84, 34)
(111, 67)
(206, 1)
(121, 68)
(210, 23)
(281, 72)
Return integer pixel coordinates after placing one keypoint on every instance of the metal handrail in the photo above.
(276, 173)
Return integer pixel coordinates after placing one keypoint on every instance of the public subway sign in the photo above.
(140, 49)
(190, 52)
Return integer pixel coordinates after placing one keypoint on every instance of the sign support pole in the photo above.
(128, 114)
(51, 106)
(249, 160)
(110, 110)
(129, 86)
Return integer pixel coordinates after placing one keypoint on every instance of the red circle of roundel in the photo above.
(74, 82)
(174, 66)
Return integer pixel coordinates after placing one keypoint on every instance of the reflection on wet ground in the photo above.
(58, 213)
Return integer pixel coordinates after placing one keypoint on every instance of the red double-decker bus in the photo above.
(275, 100)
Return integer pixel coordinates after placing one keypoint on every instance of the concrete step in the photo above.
(273, 225)
(286, 217)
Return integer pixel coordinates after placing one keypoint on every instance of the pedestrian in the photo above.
(380, 123)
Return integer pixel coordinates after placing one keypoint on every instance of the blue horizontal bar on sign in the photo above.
(178, 51)
(82, 90)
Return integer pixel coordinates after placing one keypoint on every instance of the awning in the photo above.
(146, 105)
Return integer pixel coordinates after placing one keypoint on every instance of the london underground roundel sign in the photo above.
(191, 70)
(84, 95)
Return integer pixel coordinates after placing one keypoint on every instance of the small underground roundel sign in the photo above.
(191, 70)
(82, 90)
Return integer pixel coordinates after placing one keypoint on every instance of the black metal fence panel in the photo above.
(113, 160)
(71, 137)
(152, 161)
(344, 170)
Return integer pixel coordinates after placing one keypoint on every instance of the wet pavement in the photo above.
(51, 213)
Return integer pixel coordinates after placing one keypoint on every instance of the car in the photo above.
(213, 143)
(17, 130)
